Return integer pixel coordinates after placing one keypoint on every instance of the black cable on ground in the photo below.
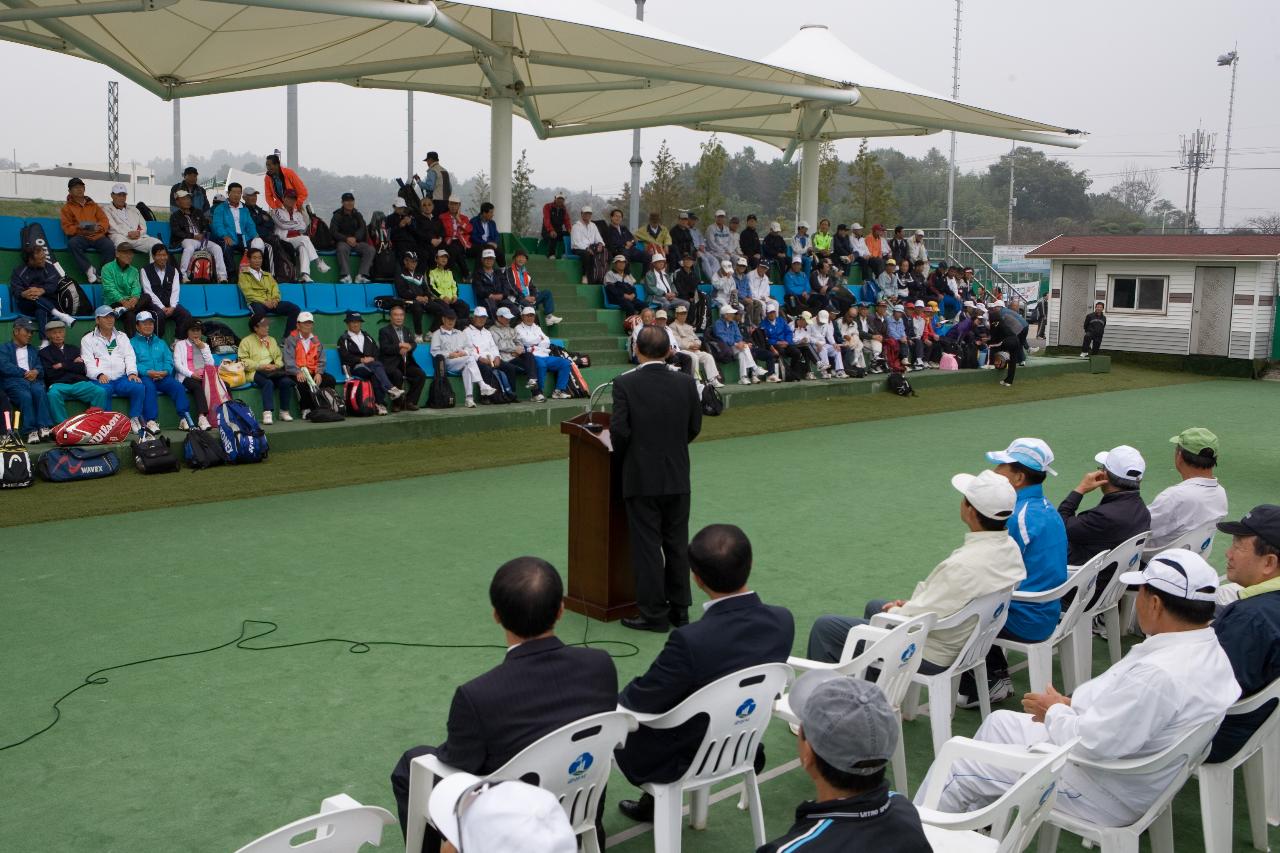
(248, 634)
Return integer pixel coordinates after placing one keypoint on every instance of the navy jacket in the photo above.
(1249, 632)
(46, 278)
(9, 368)
(70, 371)
(1118, 517)
(734, 634)
(540, 686)
(881, 820)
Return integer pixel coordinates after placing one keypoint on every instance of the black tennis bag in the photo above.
(15, 467)
(440, 394)
(712, 402)
(898, 384)
(32, 235)
(203, 449)
(153, 454)
(71, 299)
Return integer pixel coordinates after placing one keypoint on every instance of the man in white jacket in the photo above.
(1176, 680)
(987, 562)
(292, 226)
(109, 359)
(688, 342)
(823, 335)
(489, 358)
(127, 224)
(459, 358)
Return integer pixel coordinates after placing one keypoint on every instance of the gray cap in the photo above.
(846, 720)
(24, 323)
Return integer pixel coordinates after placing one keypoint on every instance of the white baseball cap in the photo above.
(720, 213)
(499, 817)
(617, 258)
(117, 189)
(775, 226)
(528, 309)
(999, 303)
(824, 316)
(919, 303)
(1123, 461)
(857, 226)
(770, 307)
(586, 208)
(988, 493)
(488, 253)
(805, 315)
(480, 312)
(1031, 452)
(803, 224)
(741, 262)
(1179, 572)
(661, 315)
(726, 266)
(398, 202)
(306, 317)
(453, 199)
(250, 191)
(728, 309)
(968, 303)
(181, 194)
(919, 233)
(144, 317)
(504, 311)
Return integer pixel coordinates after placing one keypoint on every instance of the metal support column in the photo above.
(633, 212)
(502, 31)
(408, 161)
(810, 160)
(291, 127)
(177, 139)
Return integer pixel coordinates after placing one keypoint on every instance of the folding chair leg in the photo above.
(941, 704)
(1255, 793)
(1128, 604)
(1068, 662)
(1216, 811)
(911, 704)
(984, 690)
(1112, 619)
(751, 787)
(1160, 831)
(421, 782)
(699, 805)
(590, 841)
(1047, 838)
(1039, 666)
(900, 765)
(667, 805)
(1082, 643)
(1271, 765)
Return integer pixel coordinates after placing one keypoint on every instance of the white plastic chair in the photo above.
(1199, 540)
(894, 653)
(1185, 754)
(342, 826)
(985, 617)
(572, 762)
(1014, 818)
(1080, 581)
(1216, 780)
(738, 708)
(1125, 557)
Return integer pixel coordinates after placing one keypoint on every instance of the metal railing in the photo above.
(977, 252)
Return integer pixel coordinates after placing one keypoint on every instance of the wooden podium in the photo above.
(600, 582)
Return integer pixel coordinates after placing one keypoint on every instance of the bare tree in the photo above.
(1268, 224)
(1137, 189)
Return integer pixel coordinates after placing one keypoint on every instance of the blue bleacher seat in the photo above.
(777, 293)
(293, 293)
(321, 299)
(350, 297)
(11, 232)
(159, 230)
(94, 293)
(224, 300)
(192, 298)
(422, 355)
(467, 294)
(52, 231)
(333, 365)
(373, 291)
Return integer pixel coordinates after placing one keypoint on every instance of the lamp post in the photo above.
(1232, 59)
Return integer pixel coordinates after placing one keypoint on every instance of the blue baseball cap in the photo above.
(1031, 452)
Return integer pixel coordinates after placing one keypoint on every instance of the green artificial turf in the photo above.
(206, 752)
(326, 467)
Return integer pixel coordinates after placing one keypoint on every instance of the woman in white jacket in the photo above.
(292, 224)
(191, 359)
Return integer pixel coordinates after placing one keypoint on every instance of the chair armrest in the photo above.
(338, 802)
(1046, 595)
(958, 822)
(435, 765)
(642, 719)
(1254, 702)
(887, 620)
(805, 665)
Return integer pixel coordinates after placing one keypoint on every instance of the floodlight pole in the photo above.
(951, 170)
(633, 209)
(1226, 155)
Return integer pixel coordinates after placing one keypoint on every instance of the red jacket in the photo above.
(549, 217)
(456, 228)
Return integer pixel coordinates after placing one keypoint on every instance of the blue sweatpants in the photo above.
(557, 364)
(134, 391)
(31, 400)
(170, 387)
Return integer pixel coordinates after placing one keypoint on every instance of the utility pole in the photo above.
(633, 212)
(1013, 202)
(113, 129)
(1196, 154)
(951, 171)
(1232, 59)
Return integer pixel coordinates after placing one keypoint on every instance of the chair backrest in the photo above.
(1199, 540)
(738, 708)
(345, 830)
(895, 655)
(1015, 817)
(985, 615)
(1083, 580)
(573, 762)
(1248, 704)
(1125, 557)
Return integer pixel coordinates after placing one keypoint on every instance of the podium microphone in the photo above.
(591, 405)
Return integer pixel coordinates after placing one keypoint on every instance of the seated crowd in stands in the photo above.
(1204, 647)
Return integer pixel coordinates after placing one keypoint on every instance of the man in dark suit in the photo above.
(540, 686)
(395, 351)
(737, 631)
(656, 413)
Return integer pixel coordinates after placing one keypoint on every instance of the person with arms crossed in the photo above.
(64, 374)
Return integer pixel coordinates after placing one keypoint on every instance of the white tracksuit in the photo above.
(686, 337)
(445, 341)
(824, 338)
(125, 219)
(297, 221)
(852, 342)
(112, 357)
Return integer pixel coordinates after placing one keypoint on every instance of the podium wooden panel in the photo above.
(600, 581)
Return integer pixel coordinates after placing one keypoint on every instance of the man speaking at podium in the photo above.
(656, 413)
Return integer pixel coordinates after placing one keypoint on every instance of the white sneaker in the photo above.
(153, 426)
(135, 424)
(267, 419)
(1084, 355)
(91, 275)
(381, 409)
(362, 279)
(538, 398)
(185, 424)
(321, 265)
(773, 377)
(305, 278)
(417, 339)
(203, 423)
(346, 279)
(755, 377)
(561, 395)
(744, 381)
(469, 403)
(305, 412)
(1006, 384)
(552, 320)
(395, 393)
(531, 384)
(222, 279)
(840, 374)
(487, 390)
(67, 319)
(584, 279)
(33, 437)
(285, 416)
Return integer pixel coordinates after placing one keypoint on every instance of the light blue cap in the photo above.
(1031, 452)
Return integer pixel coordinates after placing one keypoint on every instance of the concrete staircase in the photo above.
(587, 326)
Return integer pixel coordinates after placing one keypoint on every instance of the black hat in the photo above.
(413, 255)
(353, 316)
(449, 313)
(74, 182)
(195, 324)
(1262, 521)
(191, 170)
(348, 197)
(431, 155)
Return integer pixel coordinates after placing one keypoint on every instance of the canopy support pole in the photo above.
(177, 139)
(408, 162)
(633, 209)
(810, 154)
(291, 126)
(502, 31)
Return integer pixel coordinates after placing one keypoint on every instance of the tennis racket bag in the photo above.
(66, 464)
(95, 426)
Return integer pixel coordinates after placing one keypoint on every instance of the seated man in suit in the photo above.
(736, 631)
(395, 350)
(541, 685)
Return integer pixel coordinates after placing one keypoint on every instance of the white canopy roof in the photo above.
(571, 68)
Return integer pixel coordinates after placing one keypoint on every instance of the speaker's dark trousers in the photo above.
(659, 528)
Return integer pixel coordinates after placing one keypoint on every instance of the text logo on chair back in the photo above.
(580, 766)
(1048, 792)
(999, 610)
(907, 654)
(1133, 561)
(1204, 546)
(746, 709)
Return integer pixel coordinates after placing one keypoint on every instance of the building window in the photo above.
(1139, 294)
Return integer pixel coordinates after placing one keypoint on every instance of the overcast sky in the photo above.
(1135, 74)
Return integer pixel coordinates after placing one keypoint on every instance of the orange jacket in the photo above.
(291, 182)
(86, 210)
(877, 246)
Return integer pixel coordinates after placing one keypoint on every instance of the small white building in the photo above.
(1181, 294)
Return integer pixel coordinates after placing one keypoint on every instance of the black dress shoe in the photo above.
(639, 623)
(641, 810)
(679, 617)
(411, 407)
